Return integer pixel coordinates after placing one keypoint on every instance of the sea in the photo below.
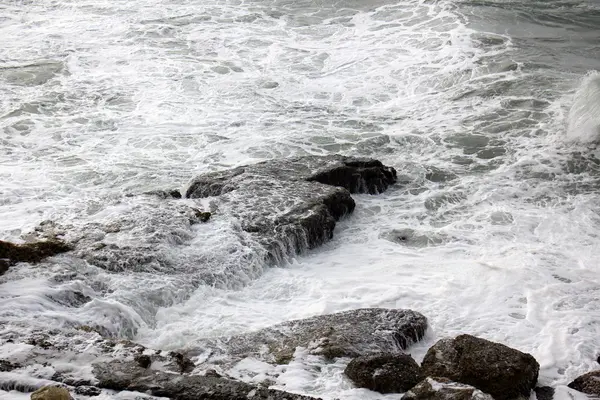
(489, 110)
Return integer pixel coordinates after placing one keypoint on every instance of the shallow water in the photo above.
(487, 109)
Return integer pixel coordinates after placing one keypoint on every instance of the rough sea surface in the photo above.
(489, 111)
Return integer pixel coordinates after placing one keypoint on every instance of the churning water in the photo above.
(489, 110)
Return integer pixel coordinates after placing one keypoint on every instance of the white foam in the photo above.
(584, 115)
(144, 95)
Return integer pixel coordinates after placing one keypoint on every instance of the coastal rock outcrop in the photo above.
(291, 205)
(493, 368)
(229, 225)
(345, 334)
(444, 389)
(384, 372)
(588, 383)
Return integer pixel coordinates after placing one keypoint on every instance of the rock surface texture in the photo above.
(51, 393)
(384, 372)
(293, 204)
(494, 368)
(444, 389)
(346, 334)
(588, 383)
(119, 375)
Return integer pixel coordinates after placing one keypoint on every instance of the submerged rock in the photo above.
(11, 253)
(51, 393)
(344, 334)
(494, 368)
(384, 372)
(444, 389)
(588, 383)
(119, 375)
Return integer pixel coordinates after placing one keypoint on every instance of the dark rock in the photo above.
(544, 393)
(494, 368)
(7, 366)
(293, 204)
(11, 253)
(88, 391)
(588, 383)
(142, 360)
(212, 373)
(444, 389)
(345, 334)
(200, 216)
(165, 194)
(118, 375)
(384, 372)
(184, 364)
(598, 359)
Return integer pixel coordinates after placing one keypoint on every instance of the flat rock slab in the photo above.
(494, 368)
(120, 375)
(444, 389)
(345, 334)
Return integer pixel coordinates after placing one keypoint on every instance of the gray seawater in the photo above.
(489, 110)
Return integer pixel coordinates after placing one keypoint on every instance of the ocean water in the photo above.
(489, 111)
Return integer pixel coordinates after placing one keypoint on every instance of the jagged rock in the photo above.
(588, 383)
(118, 375)
(444, 389)
(51, 393)
(544, 392)
(293, 204)
(345, 334)
(384, 372)
(11, 253)
(494, 368)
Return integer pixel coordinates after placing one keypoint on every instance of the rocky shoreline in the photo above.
(284, 207)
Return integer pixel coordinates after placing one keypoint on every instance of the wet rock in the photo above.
(291, 205)
(51, 393)
(345, 334)
(165, 194)
(143, 360)
(261, 214)
(384, 372)
(494, 368)
(88, 391)
(11, 253)
(444, 389)
(184, 364)
(118, 375)
(588, 383)
(544, 393)
(7, 366)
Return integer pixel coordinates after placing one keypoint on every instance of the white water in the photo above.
(132, 96)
